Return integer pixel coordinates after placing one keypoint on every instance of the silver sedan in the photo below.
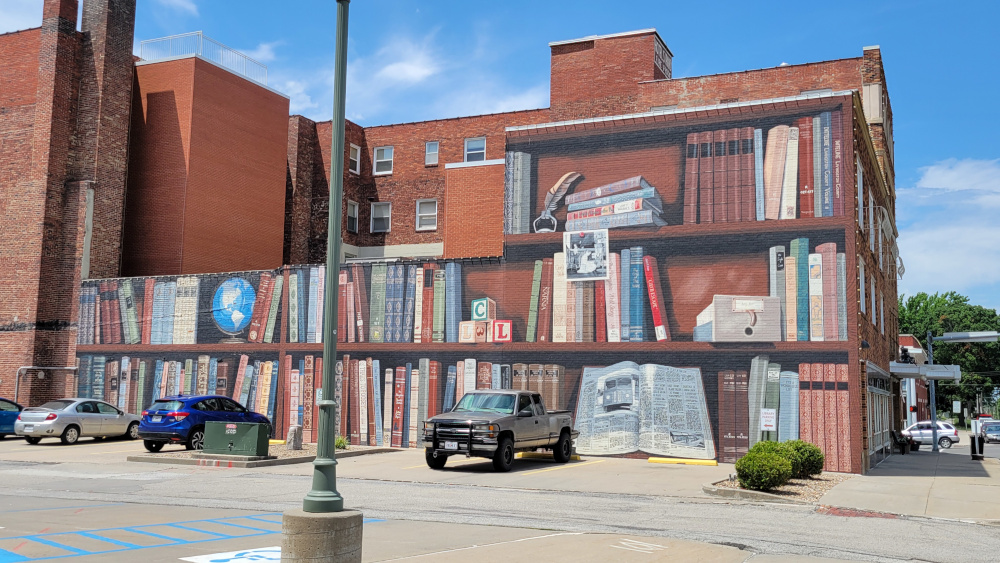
(71, 419)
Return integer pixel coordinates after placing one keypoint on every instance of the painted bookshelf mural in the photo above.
(703, 299)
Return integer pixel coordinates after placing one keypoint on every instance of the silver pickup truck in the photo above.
(496, 424)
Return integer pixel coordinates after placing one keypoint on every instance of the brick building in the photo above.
(118, 167)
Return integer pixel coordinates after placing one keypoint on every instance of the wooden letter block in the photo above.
(484, 309)
(467, 332)
(501, 331)
(481, 330)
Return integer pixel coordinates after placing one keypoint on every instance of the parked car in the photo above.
(181, 419)
(8, 415)
(495, 424)
(923, 433)
(991, 431)
(71, 419)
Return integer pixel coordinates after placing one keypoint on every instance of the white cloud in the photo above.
(264, 52)
(16, 15)
(949, 232)
(301, 102)
(181, 5)
(965, 174)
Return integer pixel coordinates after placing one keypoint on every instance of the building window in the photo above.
(383, 160)
(354, 159)
(861, 197)
(872, 291)
(861, 276)
(431, 153)
(352, 216)
(871, 220)
(475, 149)
(881, 312)
(381, 217)
(427, 214)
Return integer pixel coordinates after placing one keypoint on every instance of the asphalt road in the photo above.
(134, 494)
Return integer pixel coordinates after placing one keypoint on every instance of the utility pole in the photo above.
(933, 398)
(322, 531)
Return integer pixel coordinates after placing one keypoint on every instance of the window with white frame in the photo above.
(861, 276)
(427, 214)
(475, 149)
(354, 159)
(861, 197)
(881, 312)
(352, 216)
(381, 217)
(873, 300)
(871, 220)
(383, 160)
(431, 153)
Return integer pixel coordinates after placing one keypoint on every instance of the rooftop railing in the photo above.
(196, 43)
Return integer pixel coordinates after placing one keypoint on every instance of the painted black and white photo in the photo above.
(586, 255)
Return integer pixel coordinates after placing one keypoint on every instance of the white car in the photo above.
(923, 433)
(71, 419)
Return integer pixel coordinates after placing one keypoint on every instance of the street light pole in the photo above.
(324, 496)
(933, 398)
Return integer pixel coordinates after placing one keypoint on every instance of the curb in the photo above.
(743, 494)
(237, 464)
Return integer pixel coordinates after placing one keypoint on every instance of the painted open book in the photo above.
(658, 410)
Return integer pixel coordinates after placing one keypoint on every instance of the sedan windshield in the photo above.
(57, 405)
(490, 402)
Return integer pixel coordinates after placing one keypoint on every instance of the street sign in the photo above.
(956, 407)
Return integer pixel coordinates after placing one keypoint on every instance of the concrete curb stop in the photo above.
(744, 494)
(241, 462)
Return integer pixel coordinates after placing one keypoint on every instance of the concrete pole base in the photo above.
(326, 537)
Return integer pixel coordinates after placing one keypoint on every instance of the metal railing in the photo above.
(196, 43)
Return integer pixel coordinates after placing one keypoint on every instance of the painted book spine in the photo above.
(544, 332)
(637, 296)
(272, 312)
(827, 161)
(789, 185)
(626, 185)
(661, 326)
(409, 305)
(418, 307)
(645, 193)
(293, 307)
(837, 167)
(440, 289)
(816, 322)
(611, 298)
(626, 293)
(758, 173)
(600, 313)
(536, 283)
(377, 304)
(842, 296)
(691, 180)
(559, 297)
(802, 289)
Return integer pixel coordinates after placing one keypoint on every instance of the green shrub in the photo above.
(810, 455)
(340, 443)
(785, 450)
(762, 470)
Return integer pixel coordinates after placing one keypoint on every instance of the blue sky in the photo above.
(410, 61)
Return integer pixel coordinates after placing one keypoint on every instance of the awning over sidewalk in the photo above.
(925, 371)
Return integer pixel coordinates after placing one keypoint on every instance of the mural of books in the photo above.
(234, 307)
(769, 403)
(385, 404)
(749, 173)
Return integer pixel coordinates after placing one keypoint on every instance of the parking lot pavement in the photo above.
(588, 474)
(85, 532)
(87, 450)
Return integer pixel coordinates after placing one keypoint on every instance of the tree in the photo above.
(951, 312)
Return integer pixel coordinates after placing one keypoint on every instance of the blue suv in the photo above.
(181, 419)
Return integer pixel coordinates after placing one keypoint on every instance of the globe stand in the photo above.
(233, 340)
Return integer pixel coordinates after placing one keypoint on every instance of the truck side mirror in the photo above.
(525, 413)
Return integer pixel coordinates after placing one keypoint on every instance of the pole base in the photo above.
(329, 537)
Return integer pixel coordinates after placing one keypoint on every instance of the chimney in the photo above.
(62, 9)
(600, 75)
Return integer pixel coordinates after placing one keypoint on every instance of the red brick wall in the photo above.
(791, 80)
(234, 204)
(158, 165)
(207, 172)
(601, 77)
(473, 204)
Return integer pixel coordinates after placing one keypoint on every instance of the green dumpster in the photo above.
(237, 438)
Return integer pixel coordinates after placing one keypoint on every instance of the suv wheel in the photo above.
(196, 440)
(503, 459)
(152, 446)
(945, 442)
(563, 450)
(435, 462)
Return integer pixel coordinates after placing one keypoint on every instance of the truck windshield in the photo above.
(491, 402)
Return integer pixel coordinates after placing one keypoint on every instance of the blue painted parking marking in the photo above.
(63, 540)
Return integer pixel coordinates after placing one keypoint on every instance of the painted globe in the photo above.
(232, 305)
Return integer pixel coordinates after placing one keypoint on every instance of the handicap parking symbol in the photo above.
(245, 556)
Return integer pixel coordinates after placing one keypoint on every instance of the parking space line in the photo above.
(563, 466)
(193, 529)
(124, 544)
(152, 534)
(241, 526)
(58, 545)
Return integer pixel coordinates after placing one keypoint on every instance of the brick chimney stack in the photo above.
(599, 75)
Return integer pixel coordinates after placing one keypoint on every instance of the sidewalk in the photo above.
(947, 484)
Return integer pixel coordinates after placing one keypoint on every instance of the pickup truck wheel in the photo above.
(563, 449)
(503, 459)
(435, 462)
